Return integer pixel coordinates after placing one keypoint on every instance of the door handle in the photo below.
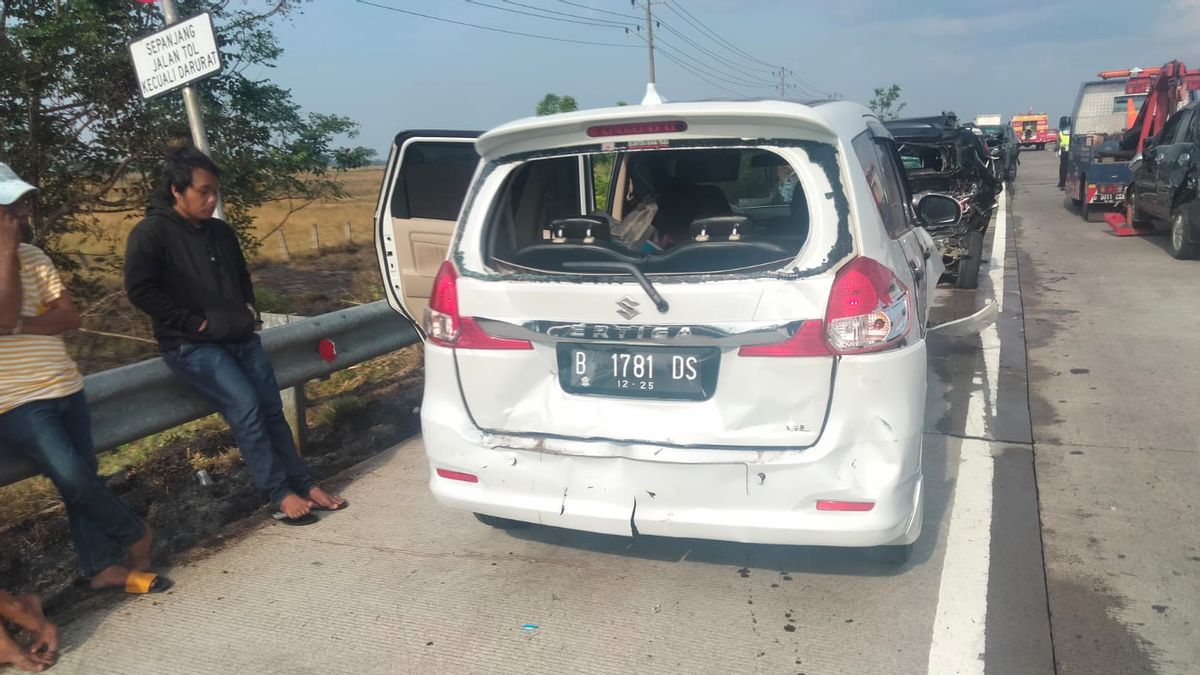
(917, 270)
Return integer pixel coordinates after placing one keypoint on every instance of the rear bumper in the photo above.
(870, 450)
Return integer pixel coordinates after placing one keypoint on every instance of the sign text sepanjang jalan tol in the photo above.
(176, 56)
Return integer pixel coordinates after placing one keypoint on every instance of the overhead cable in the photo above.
(492, 28)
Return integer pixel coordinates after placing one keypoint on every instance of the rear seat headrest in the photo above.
(580, 230)
(730, 228)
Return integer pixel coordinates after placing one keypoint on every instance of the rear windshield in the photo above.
(676, 211)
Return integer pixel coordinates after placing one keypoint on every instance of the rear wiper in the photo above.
(615, 266)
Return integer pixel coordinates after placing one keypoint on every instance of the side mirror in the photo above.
(1064, 122)
(937, 209)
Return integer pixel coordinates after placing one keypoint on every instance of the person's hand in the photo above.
(10, 226)
(45, 639)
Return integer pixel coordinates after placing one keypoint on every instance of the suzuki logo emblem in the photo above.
(627, 307)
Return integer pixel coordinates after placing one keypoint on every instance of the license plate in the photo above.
(672, 373)
(1104, 198)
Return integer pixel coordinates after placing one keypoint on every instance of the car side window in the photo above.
(1166, 135)
(1181, 127)
(882, 170)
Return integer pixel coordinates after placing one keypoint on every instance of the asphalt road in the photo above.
(1059, 532)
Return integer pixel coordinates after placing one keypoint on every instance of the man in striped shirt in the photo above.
(43, 412)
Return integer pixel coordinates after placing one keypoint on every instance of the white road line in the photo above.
(960, 625)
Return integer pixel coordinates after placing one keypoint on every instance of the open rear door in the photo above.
(427, 177)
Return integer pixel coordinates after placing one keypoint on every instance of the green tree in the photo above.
(72, 121)
(887, 104)
(553, 103)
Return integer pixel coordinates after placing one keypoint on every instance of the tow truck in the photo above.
(1113, 117)
(1033, 129)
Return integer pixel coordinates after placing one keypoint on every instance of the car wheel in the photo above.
(501, 523)
(1180, 248)
(1085, 209)
(968, 265)
(892, 555)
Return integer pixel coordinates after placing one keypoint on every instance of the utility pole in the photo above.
(650, 35)
(191, 102)
(782, 82)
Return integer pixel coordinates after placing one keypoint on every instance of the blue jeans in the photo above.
(56, 434)
(238, 380)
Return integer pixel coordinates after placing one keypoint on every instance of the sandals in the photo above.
(306, 519)
(137, 583)
(339, 507)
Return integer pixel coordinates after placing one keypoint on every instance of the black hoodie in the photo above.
(183, 275)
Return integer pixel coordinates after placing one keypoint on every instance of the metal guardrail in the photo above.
(140, 399)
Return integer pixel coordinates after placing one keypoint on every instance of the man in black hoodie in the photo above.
(186, 270)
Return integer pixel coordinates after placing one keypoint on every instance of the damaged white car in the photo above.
(681, 319)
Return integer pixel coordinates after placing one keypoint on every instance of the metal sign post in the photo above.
(191, 102)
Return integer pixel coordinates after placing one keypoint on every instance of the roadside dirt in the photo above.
(378, 400)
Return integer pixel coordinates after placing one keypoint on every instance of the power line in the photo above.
(568, 14)
(715, 57)
(692, 70)
(690, 18)
(715, 73)
(539, 16)
(491, 28)
(602, 11)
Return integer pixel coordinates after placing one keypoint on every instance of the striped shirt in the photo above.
(36, 367)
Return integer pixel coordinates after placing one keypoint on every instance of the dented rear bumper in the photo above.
(870, 450)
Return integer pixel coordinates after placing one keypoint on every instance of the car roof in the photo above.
(927, 129)
(826, 120)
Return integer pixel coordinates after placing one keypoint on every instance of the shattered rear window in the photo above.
(672, 211)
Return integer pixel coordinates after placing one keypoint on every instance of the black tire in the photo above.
(1180, 248)
(501, 523)
(892, 555)
(968, 265)
(1085, 209)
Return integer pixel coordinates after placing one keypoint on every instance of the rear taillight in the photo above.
(809, 340)
(446, 328)
(868, 309)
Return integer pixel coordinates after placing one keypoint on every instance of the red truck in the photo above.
(1034, 129)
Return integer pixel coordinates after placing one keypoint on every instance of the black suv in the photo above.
(1004, 148)
(1164, 184)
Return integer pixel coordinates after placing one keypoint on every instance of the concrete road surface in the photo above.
(1079, 404)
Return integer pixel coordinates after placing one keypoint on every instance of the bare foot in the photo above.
(294, 506)
(324, 499)
(139, 552)
(45, 638)
(11, 654)
(113, 575)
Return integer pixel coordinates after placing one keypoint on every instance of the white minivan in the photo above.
(679, 319)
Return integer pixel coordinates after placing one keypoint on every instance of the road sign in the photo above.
(176, 56)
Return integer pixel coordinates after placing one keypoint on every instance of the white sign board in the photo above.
(176, 56)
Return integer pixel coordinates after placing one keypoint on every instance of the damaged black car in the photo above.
(1166, 181)
(942, 157)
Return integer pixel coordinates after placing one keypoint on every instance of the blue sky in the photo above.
(390, 71)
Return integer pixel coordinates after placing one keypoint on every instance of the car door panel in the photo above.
(425, 183)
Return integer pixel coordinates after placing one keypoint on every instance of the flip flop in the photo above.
(306, 519)
(339, 507)
(137, 583)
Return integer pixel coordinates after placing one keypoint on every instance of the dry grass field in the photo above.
(329, 217)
